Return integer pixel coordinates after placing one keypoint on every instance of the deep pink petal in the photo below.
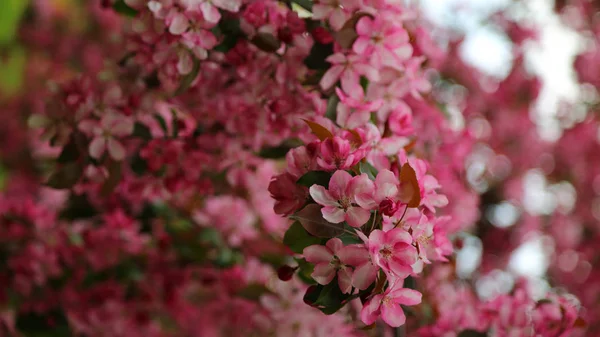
(345, 280)
(393, 315)
(398, 235)
(370, 310)
(353, 255)
(317, 254)
(406, 296)
(338, 183)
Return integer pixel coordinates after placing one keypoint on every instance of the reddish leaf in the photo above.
(319, 130)
(346, 36)
(409, 186)
(311, 218)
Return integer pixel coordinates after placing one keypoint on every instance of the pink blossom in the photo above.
(337, 153)
(335, 11)
(387, 305)
(105, 134)
(339, 201)
(331, 259)
(348, 69)
(393, 251)
(386, 195)
(386, 43)
(210, 8)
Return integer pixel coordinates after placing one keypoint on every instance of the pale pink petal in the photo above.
(334, 245)
(333, 214)
(366, 201)
(406, 296)
(89, 126)
(229, 5)
(338, 183)
(361, 45)
(356, 216)
(360, 185)
(321, 11)
(317, 254)
(331, 77)
(376, 238)
(338, 18)
(336, 58)
(323, 273)
(370, 72)
(370, 310)
(321, 196)
(210, 12)
(97, 147)
(364, 276)
(351, 84)
(345, 280)
(386, 191)
(179, 24)
(121, 128)
(364, 26)
(115, 149)
(358, 119)
(393, 315)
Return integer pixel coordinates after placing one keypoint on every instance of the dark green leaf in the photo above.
(70, 152)
(296, 238)
(331, 299)
(314, 177)
(349, 239)
(472, 333)
(364, 83)
(162, 122)
(121, 7)
(279, 151)
(142, 131)
(138, 165)
(318, 53)
(367, 168)
(305, 269)
(48, 324)
(306, 4)
(331, 111)
(66, 176)
(188, 79)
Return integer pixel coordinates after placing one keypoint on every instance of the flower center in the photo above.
(385, 252)
(345, 203)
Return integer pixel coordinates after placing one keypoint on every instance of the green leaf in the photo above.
(122, 8)
(161, 121)
(306, 4)
(329, 298)
(11, 12)
(305, 269)
(472, 333)
(314, 177)
(230, 29)
(266, 41)
(279, 151)
(188, 79)
(367, 168)
(65, 176)
(253, 291)
(331, 111)
(349, 239)
(12, 67)
(296, 238)
(138, 164)
(364, 83)
(318, 53)
(141, 131)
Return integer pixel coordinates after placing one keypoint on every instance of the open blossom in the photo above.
(387, 305)
(335, 11)
(386, 195)
(392, 251)
(387, 44)
(331, 259)
(210, 8)
(106, 134)
(348, 69)
(338, 153)
(339, 200)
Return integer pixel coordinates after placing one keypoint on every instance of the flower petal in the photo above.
(115, 149)
(333, 214)
(370, 310)
(406, 296)
(97, 147)
(393, 315)
(356, 216)
(323, 273)
(321, 196)
(338, 183)
(317, 254)
(364, 276)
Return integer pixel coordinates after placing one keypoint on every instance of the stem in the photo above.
(401, 218)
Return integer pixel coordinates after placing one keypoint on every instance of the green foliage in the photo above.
(318, 53)
(366, 167)
(66, 176)
(327, 298)
(121, 7)
(314, 177)
(472, 333)
(12, 66)
(297, 238)
(11, 12)
(51, 324)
